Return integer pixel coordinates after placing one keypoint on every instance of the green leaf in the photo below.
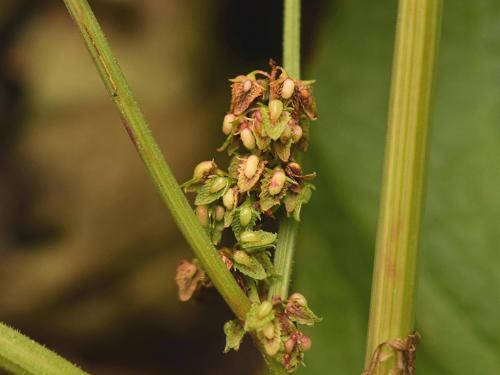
(234, 335)
(253, 241)
(273, 129)
(206, 195)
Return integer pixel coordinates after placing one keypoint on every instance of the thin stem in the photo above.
(146, 146)
(288, 231)
(21, 355)
(394, 274)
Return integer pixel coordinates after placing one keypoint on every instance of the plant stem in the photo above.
(146, 146)
(394, 274)
(21, 355)
(287, 236)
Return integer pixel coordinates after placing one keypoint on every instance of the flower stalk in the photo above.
(394, 276)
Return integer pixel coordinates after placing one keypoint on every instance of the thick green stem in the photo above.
(21, 355)
(394, 274)
(141, 136)
(288, 231)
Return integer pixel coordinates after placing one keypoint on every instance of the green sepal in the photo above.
(266, 200)
(262, 142)
(294, 201)
(301, 314)
(253, 323)
(273, 129)
(283, 150)
(252, 269)
(259, 240)
(234, 335)
(205, 196)
(236, 224)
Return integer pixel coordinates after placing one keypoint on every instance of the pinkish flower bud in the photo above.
(296, 133)
(277, 182)
(290, 345)
(227, 126)
(295, 168)
(305, 343)
(298, 298)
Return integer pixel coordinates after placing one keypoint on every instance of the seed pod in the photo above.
(296, 133)
(227, 126)
(228, 199)
(264, 309)
(295, 168)
(287, 133)
(299, 299)
(290, 345)
(247, 138)
(219, 212)
(245, 216)
(305, 343)
(287, 89)
(202, 215)
(241, 257)
(248, 236)
(247, 85)
(202, 170)
(275, 109)
(251, 165)
(268, 331)
(277, 182)
(272, 347)
(218, 184)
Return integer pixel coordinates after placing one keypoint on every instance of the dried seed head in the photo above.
(219, 184)
(277, 182)
(247, 138)
(241, 257)
(245, 216)
(268, 331)
(296, 133)
(228, 199)
(287, 89)
(275, 109)
(264, 310)
(227, 126)
(202, 170)
(202, 215)
(299, 299)
(247, 85)
(219, 212)
(251, 165)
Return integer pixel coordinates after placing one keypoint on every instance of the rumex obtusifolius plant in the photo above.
(267, 124)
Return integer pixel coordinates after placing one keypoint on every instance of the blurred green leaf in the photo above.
(458, 301)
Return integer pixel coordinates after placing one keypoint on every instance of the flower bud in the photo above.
(219, 184)
(299, 299)
(247, 85)
(219, 212)
(241, 257)
(272, 347)
(202, 215)
(305, 343)
(247, 138)
(268, 331)
(277, 182)
(287, 89)
(228, 199)
(251, 165)
(275, 109)
(245, 216)
(290, 345)
(248, 236)
(296, 133)
(264, 309)
(287, 133)
(202, 170)
(227, 126)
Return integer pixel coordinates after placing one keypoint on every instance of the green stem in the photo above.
(394, 275)
(141, 136)
(21, 355)
(288, 231)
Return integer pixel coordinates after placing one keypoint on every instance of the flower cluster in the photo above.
(267, 123)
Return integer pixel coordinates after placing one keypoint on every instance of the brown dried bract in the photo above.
(189, 278)
(243, 92)
(304, 97)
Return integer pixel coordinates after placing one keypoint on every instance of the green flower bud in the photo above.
(202, 170)
(227, 126)
(228, 199)
(277, 182)
(241, 257)
(251, 165)
(275, 109)
(299, 299)
(287, 133)
(202, 215)
(287, 89)
(219, 212)
(264, 310)
(248, 236)
(296, 133)
(272, 347)
(268, 331)
(247, 85)
(219, 184)
(245, 216)
(247, 138)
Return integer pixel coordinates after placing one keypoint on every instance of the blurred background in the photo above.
(88, 251)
